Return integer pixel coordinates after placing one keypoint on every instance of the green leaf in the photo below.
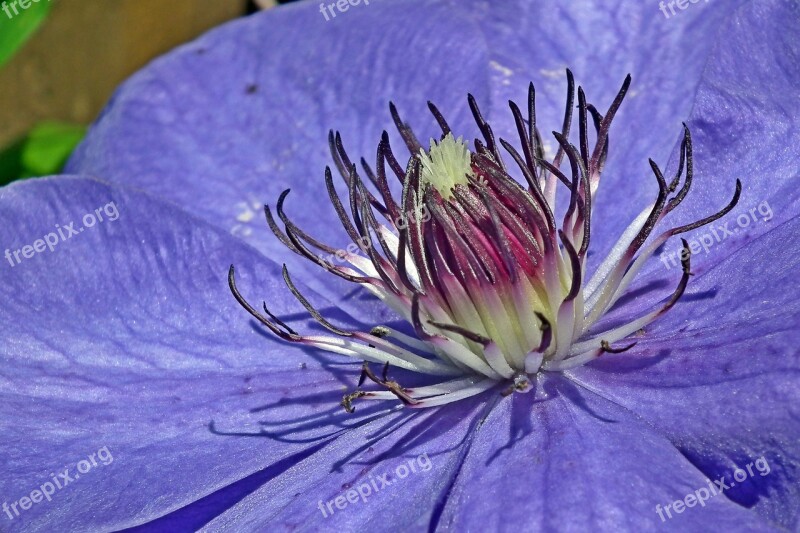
(48, 146)
(11, 162)
(17, 26)
(42, 152)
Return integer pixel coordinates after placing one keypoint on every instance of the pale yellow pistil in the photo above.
(446, 164)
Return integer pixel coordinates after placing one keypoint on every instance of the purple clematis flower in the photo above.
(136, 394)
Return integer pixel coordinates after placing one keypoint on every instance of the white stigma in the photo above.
(446, 164)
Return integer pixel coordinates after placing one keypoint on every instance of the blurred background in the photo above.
(60, 61)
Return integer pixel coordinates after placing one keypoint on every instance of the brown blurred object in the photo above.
(85, 48)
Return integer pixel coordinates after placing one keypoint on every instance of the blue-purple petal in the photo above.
(571, 460)
(126, 337)
(719, 375)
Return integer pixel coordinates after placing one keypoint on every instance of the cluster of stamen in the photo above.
(476, 261)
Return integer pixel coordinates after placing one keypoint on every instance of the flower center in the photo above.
(446, 164)
(491, 281)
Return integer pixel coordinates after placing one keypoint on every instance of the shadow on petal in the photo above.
(628, 363)
(198, 513)
(731, 470)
